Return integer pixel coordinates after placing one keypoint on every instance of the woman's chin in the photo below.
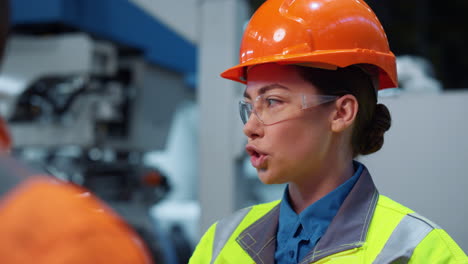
(267, 176)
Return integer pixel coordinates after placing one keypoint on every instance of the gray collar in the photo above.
(347, 230)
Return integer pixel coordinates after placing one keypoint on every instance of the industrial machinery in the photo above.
(85, 96)
(73, 117)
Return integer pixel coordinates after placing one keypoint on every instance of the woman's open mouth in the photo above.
(257, 158)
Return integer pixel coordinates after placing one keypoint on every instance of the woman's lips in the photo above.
(257, 158)
(258, 161)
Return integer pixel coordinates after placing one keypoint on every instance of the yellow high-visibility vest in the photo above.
(368, 228)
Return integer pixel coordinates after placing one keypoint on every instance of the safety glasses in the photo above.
(276, 107)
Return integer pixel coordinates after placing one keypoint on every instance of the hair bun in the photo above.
(373, 139)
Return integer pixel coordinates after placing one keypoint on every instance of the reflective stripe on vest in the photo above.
(399, 248)
(224, 230)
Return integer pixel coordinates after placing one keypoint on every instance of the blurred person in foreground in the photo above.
(47, 221)
(312, 69)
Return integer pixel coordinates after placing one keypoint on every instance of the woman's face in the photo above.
(290, 150)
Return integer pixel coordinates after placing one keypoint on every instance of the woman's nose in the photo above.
(253, 128)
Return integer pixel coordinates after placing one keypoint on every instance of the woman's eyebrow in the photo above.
(265, 89)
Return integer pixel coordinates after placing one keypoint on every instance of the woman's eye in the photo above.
(273, 102)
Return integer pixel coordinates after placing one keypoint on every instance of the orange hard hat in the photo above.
(316, 33)
(47, 221)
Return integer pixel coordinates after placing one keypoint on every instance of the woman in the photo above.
(312, 70)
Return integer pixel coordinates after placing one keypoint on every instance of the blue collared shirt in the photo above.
(298, 234)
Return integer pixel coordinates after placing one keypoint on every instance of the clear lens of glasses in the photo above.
(277, 107)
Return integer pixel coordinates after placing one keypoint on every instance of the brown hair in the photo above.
(372, 119)
(4, 24)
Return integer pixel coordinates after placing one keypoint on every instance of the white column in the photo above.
(220, 130)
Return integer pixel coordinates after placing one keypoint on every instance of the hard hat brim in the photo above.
(340, 58)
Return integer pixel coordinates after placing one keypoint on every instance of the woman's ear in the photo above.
(346, 108)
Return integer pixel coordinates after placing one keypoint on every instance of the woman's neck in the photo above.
(314, 187)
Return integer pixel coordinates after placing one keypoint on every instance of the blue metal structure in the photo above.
(119, 21)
